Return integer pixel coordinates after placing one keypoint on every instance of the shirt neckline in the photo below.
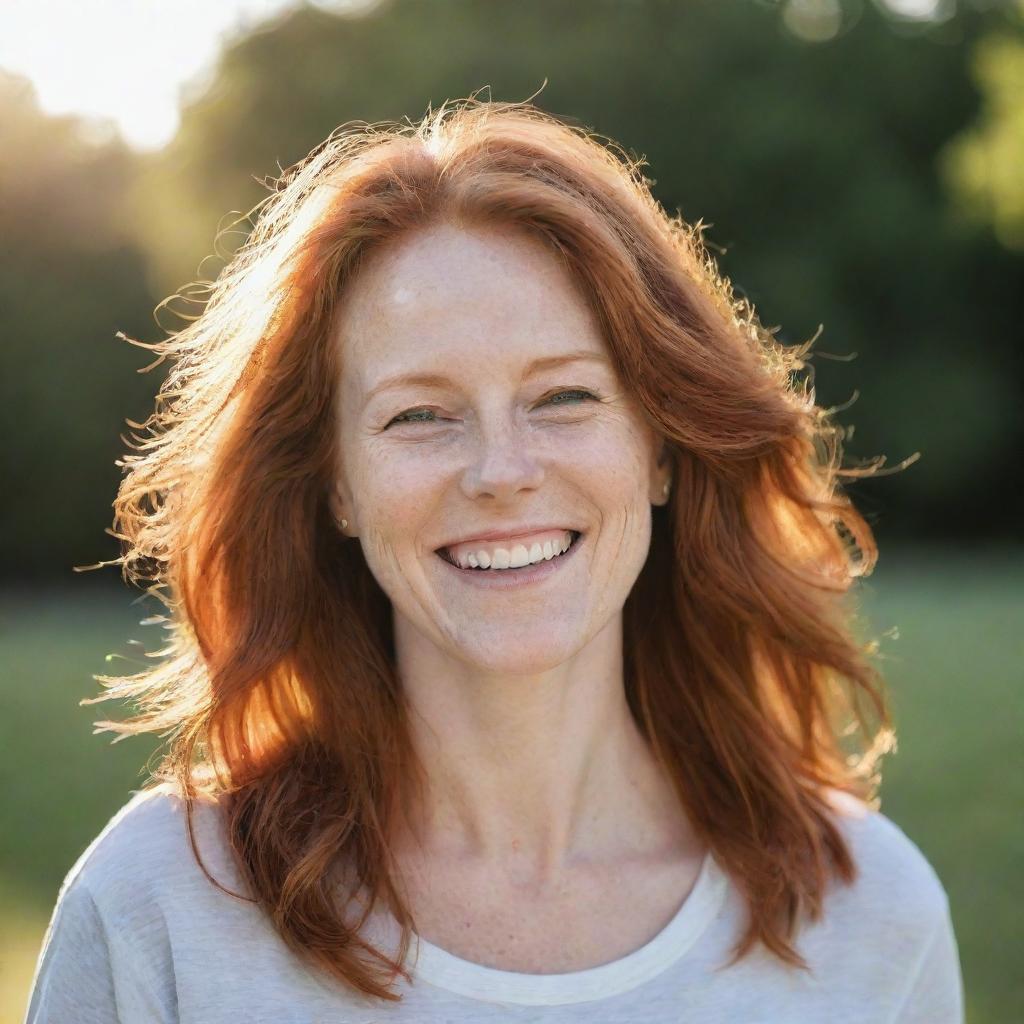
(432, 964)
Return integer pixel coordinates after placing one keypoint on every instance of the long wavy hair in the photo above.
(277, 690)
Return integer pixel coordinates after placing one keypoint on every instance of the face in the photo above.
(511, 425)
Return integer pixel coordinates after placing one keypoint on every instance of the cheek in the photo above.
(614, 460)
(395, 497)
(613, 466)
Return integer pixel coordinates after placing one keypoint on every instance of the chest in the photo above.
(582, 921)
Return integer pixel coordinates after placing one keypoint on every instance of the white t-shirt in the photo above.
(139, 935)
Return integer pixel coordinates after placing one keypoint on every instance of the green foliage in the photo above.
(70, 278)
(983, 164)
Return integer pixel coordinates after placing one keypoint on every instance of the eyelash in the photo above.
(568, 391)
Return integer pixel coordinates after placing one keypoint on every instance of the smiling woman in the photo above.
(507, 560)
(483, 459)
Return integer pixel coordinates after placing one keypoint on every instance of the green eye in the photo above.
(573, 391)
(405, 417)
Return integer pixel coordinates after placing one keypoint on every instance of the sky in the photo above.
(128, 60)
(125, 60)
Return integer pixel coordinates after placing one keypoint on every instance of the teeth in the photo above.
(518, 556)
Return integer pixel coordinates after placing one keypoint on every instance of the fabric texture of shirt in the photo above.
(139, 935)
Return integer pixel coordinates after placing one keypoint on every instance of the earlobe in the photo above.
(336, 505)
(663, 489)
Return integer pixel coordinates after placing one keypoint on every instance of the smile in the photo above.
(511, 554)
(514, 576)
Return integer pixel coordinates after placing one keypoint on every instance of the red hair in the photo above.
(278, 684)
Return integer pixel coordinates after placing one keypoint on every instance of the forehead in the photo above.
(450, 297)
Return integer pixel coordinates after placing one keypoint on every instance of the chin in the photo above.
(515, 654)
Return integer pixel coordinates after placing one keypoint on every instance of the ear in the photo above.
(661, 473)
(340, 509)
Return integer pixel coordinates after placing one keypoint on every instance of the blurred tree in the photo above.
(70, 277)
(819, 150)
(812, 149)
(983, 163)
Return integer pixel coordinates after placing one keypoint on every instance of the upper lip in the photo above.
(508, 533)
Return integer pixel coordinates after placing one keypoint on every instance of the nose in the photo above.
(503, 463)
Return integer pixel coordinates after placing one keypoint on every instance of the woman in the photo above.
(509, 653)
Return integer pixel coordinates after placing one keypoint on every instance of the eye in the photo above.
(412, 415)
(573, 391)
(406, 417)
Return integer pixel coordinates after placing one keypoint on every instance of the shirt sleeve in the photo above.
(74, 976)
(936, 993)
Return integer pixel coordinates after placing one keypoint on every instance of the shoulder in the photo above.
(895, 881)
(886, 942)
(144, 852)
(109, 950)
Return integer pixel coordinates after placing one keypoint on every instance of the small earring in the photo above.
(344, 523)
(668, 483)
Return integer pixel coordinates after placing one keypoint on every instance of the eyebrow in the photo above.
(440, 380)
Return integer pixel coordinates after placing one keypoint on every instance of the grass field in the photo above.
(955, 786)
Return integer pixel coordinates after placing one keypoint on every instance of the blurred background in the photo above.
(859, 163)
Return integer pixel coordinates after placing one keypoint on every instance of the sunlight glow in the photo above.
(125, 60)
(925, 9)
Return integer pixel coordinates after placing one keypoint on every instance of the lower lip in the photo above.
(509, 579)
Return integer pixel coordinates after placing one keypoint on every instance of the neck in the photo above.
(533, 774)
